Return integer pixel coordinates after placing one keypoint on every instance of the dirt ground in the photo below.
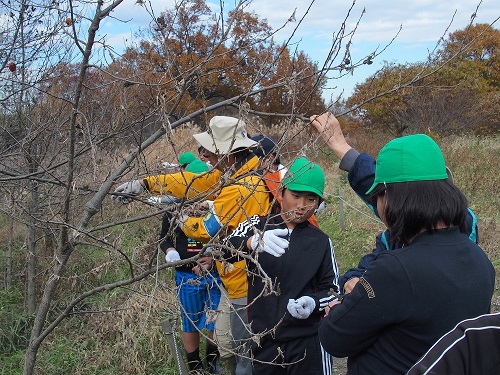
(340, 364)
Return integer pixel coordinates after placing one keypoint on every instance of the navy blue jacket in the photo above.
(406, 300)
(472, 347)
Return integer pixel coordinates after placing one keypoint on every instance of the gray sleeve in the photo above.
(348, 160)
(170, 199)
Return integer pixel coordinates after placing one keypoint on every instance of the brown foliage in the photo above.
(192, 62)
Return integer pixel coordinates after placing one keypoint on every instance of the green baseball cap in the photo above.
(185, 158)
(411, 158)
(197, 166)
(304, 175)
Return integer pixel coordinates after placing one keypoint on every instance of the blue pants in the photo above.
(197, 295)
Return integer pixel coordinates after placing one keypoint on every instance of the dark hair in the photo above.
(412, 207)
(241, 155)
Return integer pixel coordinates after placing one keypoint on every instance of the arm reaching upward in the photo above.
(328, 127)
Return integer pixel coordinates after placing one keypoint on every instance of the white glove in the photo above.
(301, 308)
(133, 187)
(166, 164)
(154, 200)
(167, 199)
(172, 256)
(271, 242)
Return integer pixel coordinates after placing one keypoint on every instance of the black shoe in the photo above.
(212, 359)
(194, 363)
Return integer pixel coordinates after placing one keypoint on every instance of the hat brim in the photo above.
(304, 188)
(222, 147)
(372, 188)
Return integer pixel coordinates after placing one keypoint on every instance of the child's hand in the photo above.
(205, 265)
(172, 255)
(271, 241)
(350, 284)
(301, 308)
(330, 305)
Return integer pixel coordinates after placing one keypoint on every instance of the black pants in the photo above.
(302, 356)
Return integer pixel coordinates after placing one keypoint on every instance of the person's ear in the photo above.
(319, 202)
(280, 193)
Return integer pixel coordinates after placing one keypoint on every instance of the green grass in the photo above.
(15, 329)
(12, 363)
(15, 325)
(353, 234)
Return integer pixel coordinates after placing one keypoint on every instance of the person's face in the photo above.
(221, 162)
(204, 155)
(225, 162)
(297, 206)
(209, 156)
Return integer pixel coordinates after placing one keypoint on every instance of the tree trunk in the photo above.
(65, 244)
(10, 244)
(37, 338)
(32, 257)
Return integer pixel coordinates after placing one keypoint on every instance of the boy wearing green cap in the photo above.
(410, 296)
(292, 273)
(185, 159)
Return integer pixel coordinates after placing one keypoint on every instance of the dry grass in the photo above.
(125, 336)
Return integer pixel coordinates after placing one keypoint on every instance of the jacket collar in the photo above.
(439, 236)
(249, 165)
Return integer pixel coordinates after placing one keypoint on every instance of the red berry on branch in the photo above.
(12, 67)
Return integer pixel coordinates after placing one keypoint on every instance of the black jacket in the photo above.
(185, 246)
(406, 300)
(308, 268)
(472, 347)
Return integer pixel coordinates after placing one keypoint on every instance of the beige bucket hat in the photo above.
(227, 134)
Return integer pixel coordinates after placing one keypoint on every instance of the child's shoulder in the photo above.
(314, 229)
(312, 237)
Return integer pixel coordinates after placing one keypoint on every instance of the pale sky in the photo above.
(423, 23)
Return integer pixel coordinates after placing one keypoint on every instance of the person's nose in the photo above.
(302, 204)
